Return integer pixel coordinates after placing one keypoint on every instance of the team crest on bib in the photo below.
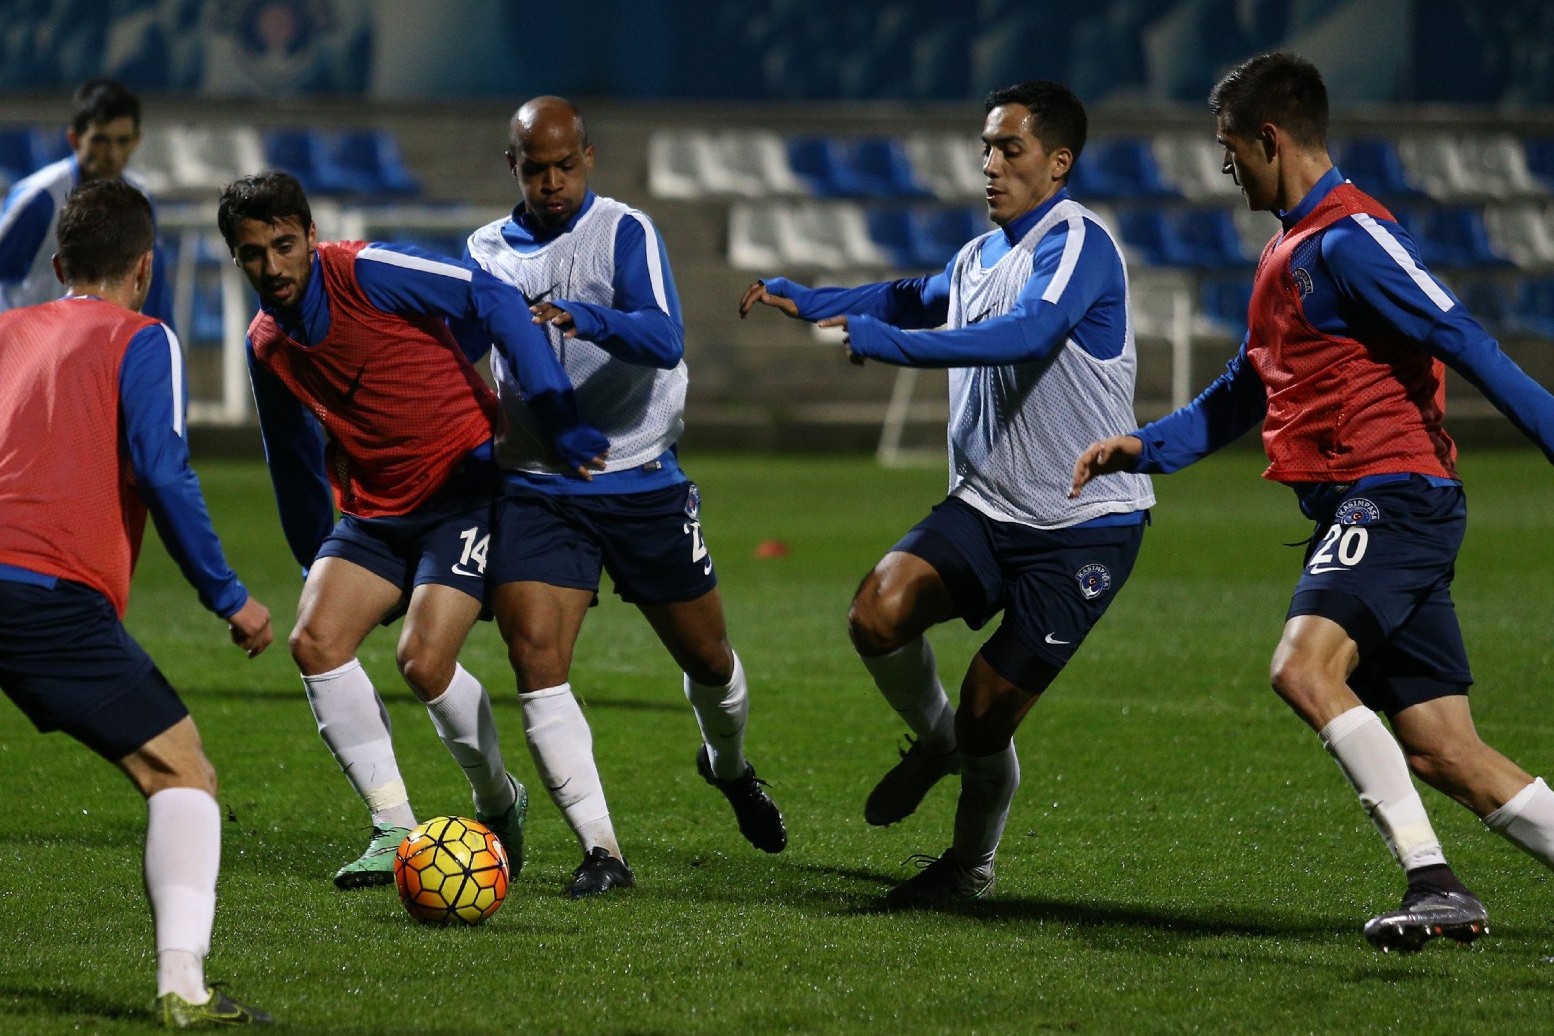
(693, 502)
(1094, 580)
(1302, 281)
(1358, 511)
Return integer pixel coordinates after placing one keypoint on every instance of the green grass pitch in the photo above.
(1182, 855)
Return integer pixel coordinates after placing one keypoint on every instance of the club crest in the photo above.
(1358, 511)
(693, 502)
(1302, 281)
(1094, 580)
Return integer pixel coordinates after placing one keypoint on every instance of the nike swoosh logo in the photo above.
(541, 297)
(1329, 568)
(459, 570)
(1049, 638)
(707, 569)
(356, 383)
(553, 788)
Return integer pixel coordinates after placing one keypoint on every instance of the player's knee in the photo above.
(874, 626)
(537, 666)
(710, 664)
(313, 653)
(426, 673)
(1300, 683)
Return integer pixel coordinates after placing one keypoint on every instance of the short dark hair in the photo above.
(1057, 118)
(103, 230)
(101, 101)
(1283, 89)
(271, 198)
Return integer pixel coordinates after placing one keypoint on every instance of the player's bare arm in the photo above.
(250, 627)
(757, 293)
(546, 313)
(1119, 453)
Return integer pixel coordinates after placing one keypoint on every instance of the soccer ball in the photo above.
(451, 870)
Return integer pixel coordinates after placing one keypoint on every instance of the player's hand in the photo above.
(847, 341)
(1119, 453)
(546, 313)
(757, 293)
(249, 627)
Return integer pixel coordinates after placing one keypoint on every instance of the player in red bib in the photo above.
(362, 391)
(91, 423)
(1348, 337)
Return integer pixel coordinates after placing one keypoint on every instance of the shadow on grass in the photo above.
(19, 1001)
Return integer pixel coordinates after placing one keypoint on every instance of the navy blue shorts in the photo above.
(1053, 586)
(650, 543)
(1381, 567)
(68, 663)
(444, 541)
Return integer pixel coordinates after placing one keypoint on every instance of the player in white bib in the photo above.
(597, 278)
(1032, 321)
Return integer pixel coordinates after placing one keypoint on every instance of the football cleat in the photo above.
(1426, 914)
(943, 881)
(599, 872)
(177, 1013)
(759, 819)
(508, 826)
(376, 865)
(901, 790)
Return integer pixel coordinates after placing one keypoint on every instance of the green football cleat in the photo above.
(376, 865)
(177, 1013)
(508, 826)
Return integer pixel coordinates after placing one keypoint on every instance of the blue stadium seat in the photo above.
(1375, 166)
(308, 155)
(1212, 238)
(1122, 169)
(870, 167)
(1540, 160)
(1224, 301)
(16, 159)
(1534, 307)
(1451, 236)
(890, 228)
(373, 159)
(937, 234)
(1491, 301)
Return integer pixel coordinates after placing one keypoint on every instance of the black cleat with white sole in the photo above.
(1426, 915)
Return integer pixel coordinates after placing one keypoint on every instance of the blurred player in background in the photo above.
(360, 385)
(1040, 350)
(597, 279)
(103, 133)
(1343, 363)
(91, 423)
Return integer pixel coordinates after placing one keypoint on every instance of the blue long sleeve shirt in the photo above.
(1369, 277)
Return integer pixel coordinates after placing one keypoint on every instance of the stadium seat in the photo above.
(1540, 160)
(949, 165)
(674, 167)
(307, 154)
(870, 167)
(1499, 162)
(1224, 302)
(1122, 168)
(372, 158)
(1451, 236)
(1211, 236)
(1434, 161)
(938, 233)
(1534, 307)
(890, 228)
(1523, 233)
(1491, 301)
(1375, 167)
(207, 157)
(750, 162)
(16, 155)
(754, 241)
(1193, 163)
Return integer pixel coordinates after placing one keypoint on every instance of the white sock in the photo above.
(1527, 821)
(987, 786)
(183, 856)
(909, 680)
(563, 751)
(355, 725)
(462, 717)
(721, 713)
(1370, 757)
